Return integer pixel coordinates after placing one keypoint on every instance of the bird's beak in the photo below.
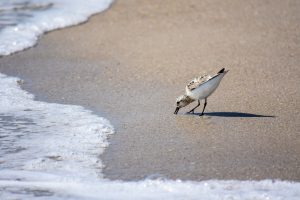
(176, 110)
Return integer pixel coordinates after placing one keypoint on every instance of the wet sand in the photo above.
(131, 62)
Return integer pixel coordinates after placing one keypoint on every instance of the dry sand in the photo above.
(130, 63)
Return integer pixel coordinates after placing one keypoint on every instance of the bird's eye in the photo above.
(177, 103)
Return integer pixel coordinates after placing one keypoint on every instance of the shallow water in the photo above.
(42, 139)
(23, 21)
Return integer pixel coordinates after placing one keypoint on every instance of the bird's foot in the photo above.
(201, 114)
(190, 112)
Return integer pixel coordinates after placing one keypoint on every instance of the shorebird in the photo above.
(199, 88)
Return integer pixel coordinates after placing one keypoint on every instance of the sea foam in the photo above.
(22, 22)
(47, 137)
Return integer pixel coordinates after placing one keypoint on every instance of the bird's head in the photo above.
(182, 101)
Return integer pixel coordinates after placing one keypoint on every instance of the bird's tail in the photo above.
(221, 71)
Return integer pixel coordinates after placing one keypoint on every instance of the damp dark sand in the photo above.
(130, 63)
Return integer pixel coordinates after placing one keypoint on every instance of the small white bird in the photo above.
(199, 88)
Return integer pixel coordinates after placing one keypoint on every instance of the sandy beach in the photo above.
(129, 64)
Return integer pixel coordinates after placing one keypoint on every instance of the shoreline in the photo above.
(127, 59)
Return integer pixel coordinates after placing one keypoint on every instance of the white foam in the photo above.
(154, 189)
(53, 138)
(46, 141)
(34, 22)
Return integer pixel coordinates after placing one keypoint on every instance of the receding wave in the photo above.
(23, 21)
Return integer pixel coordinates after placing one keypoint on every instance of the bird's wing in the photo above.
(196, 82)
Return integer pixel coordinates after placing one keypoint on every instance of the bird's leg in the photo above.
(192, 111)
(204, 107)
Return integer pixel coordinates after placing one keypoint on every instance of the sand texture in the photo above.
(131, 62)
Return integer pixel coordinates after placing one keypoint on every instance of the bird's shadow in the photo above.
(232, 114)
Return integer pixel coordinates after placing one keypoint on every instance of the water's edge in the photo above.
(51, 151)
